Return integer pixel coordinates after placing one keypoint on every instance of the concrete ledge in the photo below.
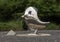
(24, 36)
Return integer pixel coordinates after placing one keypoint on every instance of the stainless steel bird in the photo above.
(32, 20)
(34, 23)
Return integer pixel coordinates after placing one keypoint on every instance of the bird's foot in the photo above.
(32, 34)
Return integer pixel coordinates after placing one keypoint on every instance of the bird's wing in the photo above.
(42, 22)
(34, 20)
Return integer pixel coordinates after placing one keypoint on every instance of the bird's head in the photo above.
(30, 12)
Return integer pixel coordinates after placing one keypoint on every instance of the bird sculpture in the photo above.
(32, 20)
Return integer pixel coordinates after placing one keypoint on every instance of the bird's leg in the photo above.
(35, 32)
(31, 29)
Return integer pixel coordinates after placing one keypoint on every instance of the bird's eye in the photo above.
(29, 12)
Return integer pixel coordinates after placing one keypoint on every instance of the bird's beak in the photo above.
(22, 16)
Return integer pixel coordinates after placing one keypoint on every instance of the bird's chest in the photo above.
(34, 24)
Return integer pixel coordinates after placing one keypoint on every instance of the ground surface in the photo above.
(55, 36)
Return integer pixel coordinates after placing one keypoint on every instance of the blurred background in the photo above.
(12, 10)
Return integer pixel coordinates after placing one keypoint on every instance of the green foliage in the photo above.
(53, 26)
(10, 7)
(48, 10)
(11, 25)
